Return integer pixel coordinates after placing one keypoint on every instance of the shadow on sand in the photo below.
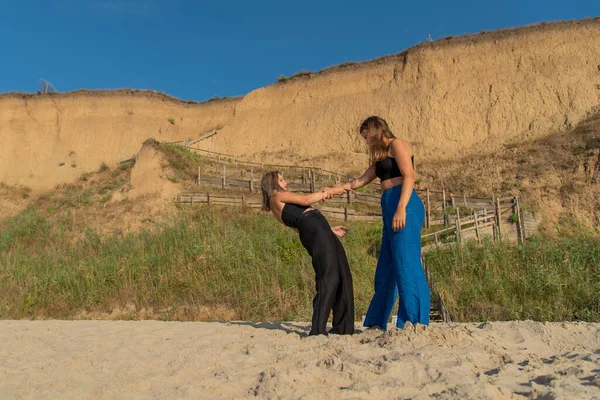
(287, 327)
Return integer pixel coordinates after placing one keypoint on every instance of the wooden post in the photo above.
(428, 209)
(198, 181)
(251, 179)
(521, 222)
(477, 227)
(458, 233)
(224, 181)
(312, 181)
(444, 207)
(437, 243)
(452, 200)
(465, 199)
(499, 218)
(516, 212)
(349, 198)
(208, 198)
(495, 219)
(345, 213)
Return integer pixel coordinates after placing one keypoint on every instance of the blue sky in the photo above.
(195, 50)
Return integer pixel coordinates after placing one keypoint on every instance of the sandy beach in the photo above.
(181, 360)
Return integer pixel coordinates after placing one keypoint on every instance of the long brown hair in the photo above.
(374, 129)
(269, 184)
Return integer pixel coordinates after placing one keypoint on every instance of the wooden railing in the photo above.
(494, 216)
(504, 220)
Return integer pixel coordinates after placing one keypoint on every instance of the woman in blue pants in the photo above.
(399, 271)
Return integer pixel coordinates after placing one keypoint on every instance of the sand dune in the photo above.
(151, 359)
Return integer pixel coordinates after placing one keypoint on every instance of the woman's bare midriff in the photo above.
(389, 183)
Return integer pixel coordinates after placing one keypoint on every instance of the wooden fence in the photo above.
(307, 173)
(336, 213)
(504, 219)
(438, 310)
(440, 206)
(236, 161)
(460, 217)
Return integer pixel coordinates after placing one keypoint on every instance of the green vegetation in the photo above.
(206, 260)
(171, 120)
(256, 268)
(127, 165)
(103, 167)
(541, 280)
(302, 72)
(85, 176)
(183, 162)
(251, 265)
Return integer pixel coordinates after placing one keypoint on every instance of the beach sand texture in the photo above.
(184, 360)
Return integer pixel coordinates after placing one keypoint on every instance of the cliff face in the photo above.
(449, 98)
(81, 130)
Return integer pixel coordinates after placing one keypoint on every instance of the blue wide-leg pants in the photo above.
(399, 270)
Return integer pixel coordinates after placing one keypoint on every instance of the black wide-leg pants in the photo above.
(332, 275)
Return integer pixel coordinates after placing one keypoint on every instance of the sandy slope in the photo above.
(150, 359)
(53, 139)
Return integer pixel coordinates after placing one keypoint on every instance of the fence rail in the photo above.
(506, 220)
(439, 205)
(497, 216)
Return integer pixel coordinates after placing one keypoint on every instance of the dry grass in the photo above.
(556, 176)
(98, 201)
(13, 199)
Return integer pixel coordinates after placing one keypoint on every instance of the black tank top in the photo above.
(388, 168)
(291, 214)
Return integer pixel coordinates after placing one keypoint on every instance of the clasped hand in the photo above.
(328, 193)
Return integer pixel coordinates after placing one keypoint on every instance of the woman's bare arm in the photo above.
(300, 199)
(402, 154)
(365, 179)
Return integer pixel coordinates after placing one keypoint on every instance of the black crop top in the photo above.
(291, 214)
(388, 168)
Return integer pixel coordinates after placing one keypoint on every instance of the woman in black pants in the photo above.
(332, 273)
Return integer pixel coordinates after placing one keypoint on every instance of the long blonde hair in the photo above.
(268, 184)
(375, 129)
